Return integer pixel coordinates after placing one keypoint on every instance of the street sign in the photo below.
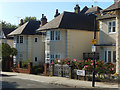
(93, 41)
(93, 48)
(81, 72)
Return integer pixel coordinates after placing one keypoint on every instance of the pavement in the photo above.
(62, 81)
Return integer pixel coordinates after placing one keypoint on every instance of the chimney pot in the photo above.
(56, 14)
(43, 20)
(21, 22)
(77, 9)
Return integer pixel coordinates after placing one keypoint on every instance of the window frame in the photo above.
(56, 35)
(112, 26)
(107, 57)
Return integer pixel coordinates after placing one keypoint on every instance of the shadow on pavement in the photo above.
(4, 75)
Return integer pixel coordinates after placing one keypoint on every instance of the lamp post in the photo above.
(93, 74)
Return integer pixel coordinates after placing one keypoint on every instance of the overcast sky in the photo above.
(12, 12)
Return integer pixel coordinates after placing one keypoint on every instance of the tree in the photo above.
(26, 19)
(7, 51)
(8, 25)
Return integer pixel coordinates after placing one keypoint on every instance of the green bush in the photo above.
(25, 63)
(37, 69)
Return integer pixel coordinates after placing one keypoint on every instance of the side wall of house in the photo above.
(31, 49)
(79, 42)
(59, 46)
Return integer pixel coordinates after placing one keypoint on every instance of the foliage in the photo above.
(37, 69)
(26, 19)
(100, 66)
(8, 25)
(25, 63)
(14, 51)
(7, 51)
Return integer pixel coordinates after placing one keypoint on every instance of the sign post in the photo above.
(93, 50)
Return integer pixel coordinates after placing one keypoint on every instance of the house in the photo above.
(28, 43)
(4, 38)
(109, 41)
(69, 35)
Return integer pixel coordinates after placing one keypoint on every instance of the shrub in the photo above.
(37, 69)
(25, 63)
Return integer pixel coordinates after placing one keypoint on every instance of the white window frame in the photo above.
(111, 32)
(107, 55)
(48, 36)
(55, 35)
(20, 39)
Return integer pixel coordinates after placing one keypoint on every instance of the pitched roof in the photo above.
(6, 31)
(69, 20)
(84, 9)
(93, 10)
(113, 7)
(106, 16)
(29, 28)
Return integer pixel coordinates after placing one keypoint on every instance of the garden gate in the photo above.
(61, 70)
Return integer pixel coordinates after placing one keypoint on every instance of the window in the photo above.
(55, 35)
(35, 59)
(105, 56)
(114, 56)
(36, 39)
(52, 35)
(109, 56)
(111, 26)
(57, 56)
(17, 39)
(21, 39)
(21, 56)
(48, 35)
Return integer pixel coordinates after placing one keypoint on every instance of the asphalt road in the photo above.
(9, 82)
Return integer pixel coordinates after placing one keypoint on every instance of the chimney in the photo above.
(56, 14)
(21, 22)
(77, 9)
(43, 20)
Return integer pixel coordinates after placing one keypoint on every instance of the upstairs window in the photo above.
(17, 39)
(52, 35)
(111, 26)
(21, 39)
(55, 35)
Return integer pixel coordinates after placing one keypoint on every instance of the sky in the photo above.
(12, 12)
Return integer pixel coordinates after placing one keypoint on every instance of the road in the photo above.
(10, 82)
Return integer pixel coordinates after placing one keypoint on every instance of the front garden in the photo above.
(104, 71)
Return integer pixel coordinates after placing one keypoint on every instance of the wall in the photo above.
(58, 47)
(30, 49)
(79, 42)
(105, 37)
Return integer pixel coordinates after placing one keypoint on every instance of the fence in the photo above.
(22, 70)
(61, 70)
